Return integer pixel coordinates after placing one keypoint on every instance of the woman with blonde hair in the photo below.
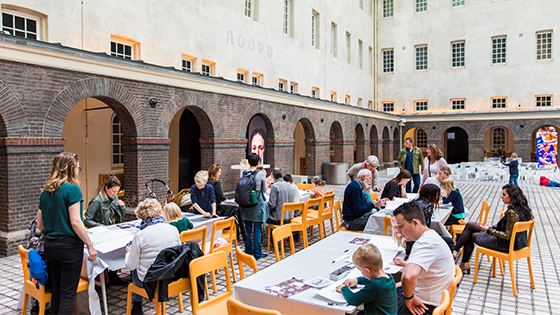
(453, 196)
(432, 163)
(174, 216)
(60, 218)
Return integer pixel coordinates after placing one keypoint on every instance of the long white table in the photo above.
(319, 259)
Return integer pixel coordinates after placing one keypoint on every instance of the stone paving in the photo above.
(488, 296)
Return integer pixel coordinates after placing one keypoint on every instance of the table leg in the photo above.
(104, 291)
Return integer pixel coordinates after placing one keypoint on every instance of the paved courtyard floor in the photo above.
(488, 296)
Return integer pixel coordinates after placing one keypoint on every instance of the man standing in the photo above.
(280, 193)
(430, 267)
(410, 159)
(355, 210)
(371, 164)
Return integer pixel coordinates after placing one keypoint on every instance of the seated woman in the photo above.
(396, 187)
(202, 196)
(453, 196)
(154, 236)
(174, 216)
(443, 174)
(106, 208)
(498, 236)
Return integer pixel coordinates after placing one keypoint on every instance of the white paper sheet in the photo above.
(330, 293)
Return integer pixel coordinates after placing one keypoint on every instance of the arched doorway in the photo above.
(385, 146)
(544, 145)
(359, 144)
(457, 145)
(496, 137)
(396, 143)
(336, 147)
(419, 138)
(373, 141)
(304, 148)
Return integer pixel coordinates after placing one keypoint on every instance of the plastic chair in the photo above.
(174, 288)
(327, 212)
(387, 222)
(228, 248)
(42, 295)
(329, 192)
(201, 266)
(309, 219)
(195, 235)
(445, 301)
(453, 289)
(278, 235)
(246, 259)
(236, 307)
(457, 229)
(296, 225)
(510, 256)
(374, 196)
(301, 186)
(338, 214)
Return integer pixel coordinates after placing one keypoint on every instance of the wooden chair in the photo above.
(387, 222)
(201, 266)
(309, 219)
(235, 307)
(329, 192)
(246, 259)
(195, 235)
(42, 295)
(228, 248)
(456, 279)
(278, 235)
(340, 227)
(174, 288)
(301, 186)
(457, 229)
(328, 200)
(296, 225)
(338, 214)
(445, 301)
(374, 196)
(512, 255)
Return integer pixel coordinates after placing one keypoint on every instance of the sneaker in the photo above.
(261, 256)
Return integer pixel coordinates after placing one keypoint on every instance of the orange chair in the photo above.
(42, 295)
(512, 255)
(456, 279)
(328, 203)
(445, 301)
(457, 229)
(329, 192)
(278, 235)
(228, 248)
(246, 259)
(340, 227)
(174, 288)
(201, 266)
(338, 214)
(235, 307)
(374, 196)
(301, 186)
(195, 235)
(387, 222)
(296, 226)
(309, 219)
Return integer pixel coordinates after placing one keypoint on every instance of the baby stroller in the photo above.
(152, 194)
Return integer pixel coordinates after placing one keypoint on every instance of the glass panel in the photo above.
(127, 50)
(31, 26)
(7, 20)
(20, 34)
(116, 149)
(113, 47)
(120, 49)
(20, 23)
(116, 159)
(32, 36)
(116, 139)
(116, 128)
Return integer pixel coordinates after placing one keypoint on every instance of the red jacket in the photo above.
(544, 181)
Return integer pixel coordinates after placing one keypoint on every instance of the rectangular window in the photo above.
(248, 8)
(544, 45)
(186, 65)
(286, 16)
(347, 100)
(334, 39)
(241, 77)
(282, 84)
(333, 96)
(388, 61)
(361, 3)
(420, 105)
(257, 79)
(388, 107)
(543, 100)
(422, 57)
(117, 133)
(458, 54)
(315, 92)
(370, 104)
(348, 47)
(387, 8)
(458, 103)
(293, 87)
(360, 54)
(421, 6)
(315, 29)
(499, 102)
(359, 102)
(20, 25)
(206, 69)
(121, 50)
(499, 50)
(457, 3)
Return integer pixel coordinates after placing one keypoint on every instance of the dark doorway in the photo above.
(189, 149)
(457, 145)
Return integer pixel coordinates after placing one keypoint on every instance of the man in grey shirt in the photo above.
(280, 193)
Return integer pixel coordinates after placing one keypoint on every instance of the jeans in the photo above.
(253, 247)
(64, 264)
(416, 180)
(513, 179)
(553, 184)
(136, 297)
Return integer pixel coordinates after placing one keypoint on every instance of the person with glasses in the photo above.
(371, 164)
(432, 163)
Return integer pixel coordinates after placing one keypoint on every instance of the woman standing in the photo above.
(433, 162)
(498, 236)
(60, 217)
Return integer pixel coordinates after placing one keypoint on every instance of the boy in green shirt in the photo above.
(379, 295)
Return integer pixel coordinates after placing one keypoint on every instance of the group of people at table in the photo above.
(428, 265)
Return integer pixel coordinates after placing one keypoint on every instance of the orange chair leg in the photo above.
(531, 272)
(214, 281)
(129, 302)
(494, 267)
(232, 267)
(267, 238)
(180, 298)
(25, 302)
(475, 268)
(501, 263)
(513, 284)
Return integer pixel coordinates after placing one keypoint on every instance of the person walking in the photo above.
(513, 169)
(410, 159)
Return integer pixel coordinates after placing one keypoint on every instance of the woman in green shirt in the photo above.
(60, 217)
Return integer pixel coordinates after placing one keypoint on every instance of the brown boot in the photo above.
(465, 267)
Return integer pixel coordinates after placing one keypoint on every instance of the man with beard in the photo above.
(355, 210)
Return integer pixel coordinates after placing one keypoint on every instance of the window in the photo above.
(370, 104)
(315, 29)
(387, 8)
(422, 57)
(208, 67)
(286, 16)
(543, 100)
(421, 6)
(498, 138)
(315, 92)
(544, 45)
(20, 24)
(458, 103)
(359, 103)
(257, 79)
(457, 3)
(360, 54)
(334, 38)
(458, 54)
(248, 8)
(252, 9)
(499, 102)
(361, 3)
(124, 47)
(388, 61)
(420, 105)
(242, 75)
(347, 100)
(116, 136)
(348, 47)
(121, 50)
(187, 62)
(282, 85)
(499, 50)
(421, 138)
(333, 96)
(388, 106)
(370, 64)
(293, 87)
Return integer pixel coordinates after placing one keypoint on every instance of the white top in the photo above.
(432, 180)
(433, 169)
(432, 254)
(147, 244)
(296, 192)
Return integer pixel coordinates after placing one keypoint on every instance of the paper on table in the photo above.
(119, 239)
(96, 231)
(330, 293)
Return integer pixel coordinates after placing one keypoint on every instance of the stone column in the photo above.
(315, 148)
(283, 151)
(362, 149)
(523, 149)
(476, 150)
(348, 152)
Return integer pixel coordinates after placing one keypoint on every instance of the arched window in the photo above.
(116, 136)
(498, 138)
(421, 138)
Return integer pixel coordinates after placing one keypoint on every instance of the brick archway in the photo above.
(336, 137)
(14, 119)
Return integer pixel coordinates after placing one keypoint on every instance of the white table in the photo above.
(110, 242)
(319, 259)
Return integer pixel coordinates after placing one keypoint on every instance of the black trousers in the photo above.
(401, 305)
(64, 263)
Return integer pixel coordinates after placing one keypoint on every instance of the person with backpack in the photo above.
(249, 194)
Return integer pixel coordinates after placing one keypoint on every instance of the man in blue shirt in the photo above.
(355, 210)
(410, 159)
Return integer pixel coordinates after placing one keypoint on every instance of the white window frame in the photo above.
(421, 105)
(388, 55)
(499, 50)
(120, 155)
(458, 103)
(370, 104)
(360, 53)
(207, 67)
(421, 57)
(286, 17)
(124, 55)
(26, 16)
(458, 47)
(333, 96)
(458, 3)
(315, 29)
(282, 85)
(347, 100)
(186, 65)
(359, 102)
(241, 77)
(544, 54)
(388, 106)
(248, 8)
(499, 138)
(421, 6)
(388, 8)
(257, 79)
(544, 100)
(293, 87)
(496, 102)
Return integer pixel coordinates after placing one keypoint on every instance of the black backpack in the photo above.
(245, 194)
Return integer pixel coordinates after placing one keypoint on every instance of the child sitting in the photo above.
(444, 173)
(379, 295)
(318, 184)
(173, 216)
(453, 196)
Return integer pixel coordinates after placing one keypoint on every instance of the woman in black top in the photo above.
(396, 187)
(214, 179)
